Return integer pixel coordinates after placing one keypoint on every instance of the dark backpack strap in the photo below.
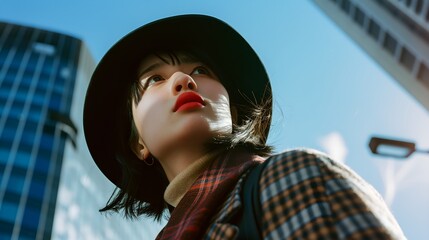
(250, 223)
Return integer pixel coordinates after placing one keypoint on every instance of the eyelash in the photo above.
(206, 71)
(149, 80)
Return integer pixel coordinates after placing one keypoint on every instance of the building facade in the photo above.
(37, 78)
(50, 187)
(395, 33)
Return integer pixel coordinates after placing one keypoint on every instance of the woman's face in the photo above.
(181, 105)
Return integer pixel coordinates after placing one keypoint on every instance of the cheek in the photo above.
(221, 107)
(222, 98)
(222, 120)
(216, 91)
(148, 118)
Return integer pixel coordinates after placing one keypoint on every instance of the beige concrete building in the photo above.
(395, 33)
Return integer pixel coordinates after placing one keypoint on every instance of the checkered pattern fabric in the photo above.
(304, 195)
(193, 214)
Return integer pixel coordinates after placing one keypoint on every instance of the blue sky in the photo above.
(329, 94)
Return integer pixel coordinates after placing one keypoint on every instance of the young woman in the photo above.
(177, 115)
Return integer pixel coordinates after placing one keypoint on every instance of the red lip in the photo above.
(188, 100)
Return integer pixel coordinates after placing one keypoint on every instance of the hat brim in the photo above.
(247, 79)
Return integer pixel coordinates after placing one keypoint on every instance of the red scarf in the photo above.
(192, 216)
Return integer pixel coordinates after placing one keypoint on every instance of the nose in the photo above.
(182, 82)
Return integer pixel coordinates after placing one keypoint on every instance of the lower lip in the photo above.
(189, 106)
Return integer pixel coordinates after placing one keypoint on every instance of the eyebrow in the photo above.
(149, 68)
(182, 59)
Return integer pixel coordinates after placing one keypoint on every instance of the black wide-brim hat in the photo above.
(236, 64)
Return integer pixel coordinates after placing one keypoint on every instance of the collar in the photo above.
(177, 188)
(203, 200)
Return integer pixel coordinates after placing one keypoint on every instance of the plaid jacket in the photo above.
(306, 195)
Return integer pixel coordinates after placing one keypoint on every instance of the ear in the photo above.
(234, 114)
(140, 150)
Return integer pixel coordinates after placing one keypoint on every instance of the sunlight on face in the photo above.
(163, 85)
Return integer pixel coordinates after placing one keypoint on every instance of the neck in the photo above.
(184, 180)
(177, 161)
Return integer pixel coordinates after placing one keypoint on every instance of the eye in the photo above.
(151, 80)
(200, 70)
(154, 79)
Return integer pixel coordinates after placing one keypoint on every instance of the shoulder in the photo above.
(304, 187)
(290, 169)
(298, 169)
(306, 163)
(296, 157)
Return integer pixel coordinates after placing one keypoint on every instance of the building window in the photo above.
(65, 72)
(11, 124)
(44, 48)
(17, 59)
(427, 14)
(11, 198)
(390, 43)
(30, 220)
(19, 171)
(8, 211)
(35, 113)
(374, 29)
(408, 3)
(345, 5)
(43, 163)
(30, 128)
(27, 142)
(55, 101)
(423, 74)
(419, 6)
(2, 167)
(8, 81)
(4, 154)
(22, 159)
(359, 16)
(47, 142)
(6, 139)
(37, 189)
(15, 184)
(407, 59)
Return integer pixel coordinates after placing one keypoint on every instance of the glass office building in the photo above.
(37, 78)
(395, 33)
(50, 187)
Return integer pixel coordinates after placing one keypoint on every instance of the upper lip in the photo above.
(188, 97)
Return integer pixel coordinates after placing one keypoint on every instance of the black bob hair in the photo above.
(142, 187)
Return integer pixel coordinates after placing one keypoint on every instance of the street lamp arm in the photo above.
(422, 151)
